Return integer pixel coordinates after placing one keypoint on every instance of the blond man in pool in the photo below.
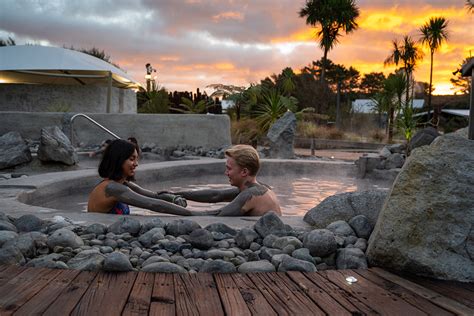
(248, 197)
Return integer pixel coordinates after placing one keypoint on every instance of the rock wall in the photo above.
(426, 226)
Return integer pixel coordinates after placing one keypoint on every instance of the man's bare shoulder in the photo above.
(256, 189)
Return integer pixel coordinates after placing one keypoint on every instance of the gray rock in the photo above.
(245, 237)
(237, 261)
(423, 137)
(28, 243)
(110, 243)
(394, 161)
(268, 253)
(6, 235)
(344, 206)
(96, 228)
(192, 263)
(281, 137)
(87, 260)
(55, 146)
(51, 261)
(221, 228)
(181, 227)
(218, 266)
(425, 227)
(117, 262)
(154, 259)
(147, 240)
(351, 258)
(292, 264)
(254, 246)
(341, 228)
(28, 223)
(150, 224)
(396, 148)
(320, 242)
(270, 223)
(65, 238)
(350, 240)
(282, 242)
(361, 225)
(125, 224)
(164, 267)
(361, 243)
(13, 150)
(4, 225)
(11, 255)
(269, 240)
(201, 238)
(219, 254)
(385, 152)
(303, 254)
(106, 249)
(256, 266)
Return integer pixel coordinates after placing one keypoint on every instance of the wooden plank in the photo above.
(344, 298)
(44, 298)
(256, 302)
(328, 304)
(140, 298)
(107, 295)
(22, 287)
(283, 295)
(431, 295)
(232, 300)
(409, 296)
(72, 294)
(379, 299)
(9, 272)
(196, 294)
(458, 291)
(162, 298)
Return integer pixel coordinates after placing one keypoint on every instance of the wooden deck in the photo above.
(38, 291)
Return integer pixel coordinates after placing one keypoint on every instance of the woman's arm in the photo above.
(124, 194)
(210, 195)
(168, 197)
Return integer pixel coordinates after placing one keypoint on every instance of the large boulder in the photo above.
(55, 146)
(281, 136)
(125, 224)
(422, 138)
(427, 224)
(65, 238)
(13, 150)
(344, 206)
(270, 223)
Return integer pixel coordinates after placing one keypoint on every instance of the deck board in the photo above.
(41, 291)
(107, 296)
(23, 287)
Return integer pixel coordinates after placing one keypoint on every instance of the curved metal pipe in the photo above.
(91, 120)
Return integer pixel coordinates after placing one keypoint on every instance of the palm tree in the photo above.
(394, 86)
(408, 54)
(433, 33)
(470, 6)
(273, 105)
(331, 16)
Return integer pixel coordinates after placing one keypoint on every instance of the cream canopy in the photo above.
(54, 65)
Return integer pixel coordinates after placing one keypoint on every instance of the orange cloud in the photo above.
(229, 15)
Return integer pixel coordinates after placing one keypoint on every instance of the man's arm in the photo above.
(126, 195)
(210, 195)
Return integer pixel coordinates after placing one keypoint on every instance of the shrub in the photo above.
(245, 131)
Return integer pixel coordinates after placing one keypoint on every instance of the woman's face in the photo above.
(129, 165)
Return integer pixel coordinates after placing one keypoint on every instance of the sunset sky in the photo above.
(195, 43)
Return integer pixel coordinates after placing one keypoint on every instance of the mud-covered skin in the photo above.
(166, 196)
(126, 195)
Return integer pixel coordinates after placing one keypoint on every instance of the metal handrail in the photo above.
(91, 120)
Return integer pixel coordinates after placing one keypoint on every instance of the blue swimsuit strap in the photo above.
(120, 209)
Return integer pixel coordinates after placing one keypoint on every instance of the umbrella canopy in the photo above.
(54, 65)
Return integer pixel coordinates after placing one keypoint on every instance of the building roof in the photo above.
(367, 105)
(54, 65)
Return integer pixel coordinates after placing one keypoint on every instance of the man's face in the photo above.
(234, 172)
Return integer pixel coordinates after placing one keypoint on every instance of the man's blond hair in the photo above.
(246, 157)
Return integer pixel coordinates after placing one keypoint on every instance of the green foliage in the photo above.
(330, 16)
(191, 107)
(272, 106)
(406, 121)
(372, 83)
(155, 101)
(96, 52)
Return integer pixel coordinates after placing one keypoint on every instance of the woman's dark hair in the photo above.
(134, 141)
(114, 156)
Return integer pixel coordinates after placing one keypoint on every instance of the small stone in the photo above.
(125, 224)
(11, 255)
(219, 254)
(29, 223)
(221, 228)
(181, 227)
(361, 243)
(351, 258)
(270, 223)
(201, 238)
(6, 235)
(117, 262)
(282, 242)
(237, 261)
(256, 266)
(269, 240)
(96, 228)
(64, 237)
(341, 228)
(4, 225)
(303, 254)
(147, 240)
(106, 249)
(218, 266)
(87, 260)
(164, 267)
(245, 237)
(154, 259)
(268, 253)
(292, 264)
(320, 242)
(254, 246)
(361, 226)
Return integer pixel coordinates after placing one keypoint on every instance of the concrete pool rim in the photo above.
(18, 195)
